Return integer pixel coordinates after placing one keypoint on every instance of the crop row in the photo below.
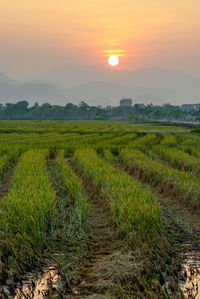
(169, 180)
(168, 140)
(144, 142)
(121, 140)
(28, 208)
(178, 159)
(31, 214)
(190, 144)
(6, 158)
(73, 186)
(134, 208)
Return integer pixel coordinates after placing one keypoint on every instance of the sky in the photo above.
(37, 36)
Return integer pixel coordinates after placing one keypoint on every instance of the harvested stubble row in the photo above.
(73, 186)
(134, 208)
(178, 159)
(180, 184)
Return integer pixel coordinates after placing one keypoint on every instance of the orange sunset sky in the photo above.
(39, 35)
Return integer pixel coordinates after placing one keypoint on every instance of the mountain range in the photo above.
(103, 86)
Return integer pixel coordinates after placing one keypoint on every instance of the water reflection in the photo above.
(41, 287)
(190, 279)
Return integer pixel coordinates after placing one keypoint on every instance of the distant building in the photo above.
(108, 108)
(140, 105)
(189, 107)
(126, 102)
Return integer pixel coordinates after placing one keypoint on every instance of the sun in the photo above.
(113, 60)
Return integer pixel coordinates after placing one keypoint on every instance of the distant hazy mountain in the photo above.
(5, 79)
(31, 92)
(72, 75)
(104, 86)
(162, 85)
(103, 93)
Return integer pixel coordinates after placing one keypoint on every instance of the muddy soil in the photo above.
(101, 270)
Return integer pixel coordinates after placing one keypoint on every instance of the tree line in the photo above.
(22, 110)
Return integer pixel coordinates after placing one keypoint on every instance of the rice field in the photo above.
(92, 198)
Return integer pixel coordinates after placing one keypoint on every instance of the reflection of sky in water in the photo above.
(39, 288)
(191, 272)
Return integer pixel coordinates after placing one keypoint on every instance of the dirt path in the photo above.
(102, 267)
(191, 217)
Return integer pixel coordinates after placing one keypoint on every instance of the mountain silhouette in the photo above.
(104, 86)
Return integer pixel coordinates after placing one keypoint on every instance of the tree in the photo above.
(84, 110)
(22, 105)
(36, 105)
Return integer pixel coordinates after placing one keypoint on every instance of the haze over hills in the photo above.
(6, 79)
(157, 85)
(101, 92)
(103, 86)
(41, 92)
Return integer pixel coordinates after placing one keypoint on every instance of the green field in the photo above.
(87, 196)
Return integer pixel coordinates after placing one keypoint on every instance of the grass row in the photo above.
(31, 215)
(27, 210)
(168, 140)
(144, 142)
(74, 188)
(134, 208)
(190, 143)
(169, 180)
(178, 159)
(26, 214)
(7, 158)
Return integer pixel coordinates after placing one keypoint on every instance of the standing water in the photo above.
(190, 280)
(41, 286)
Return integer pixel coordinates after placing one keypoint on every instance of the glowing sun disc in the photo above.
(113, 60)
